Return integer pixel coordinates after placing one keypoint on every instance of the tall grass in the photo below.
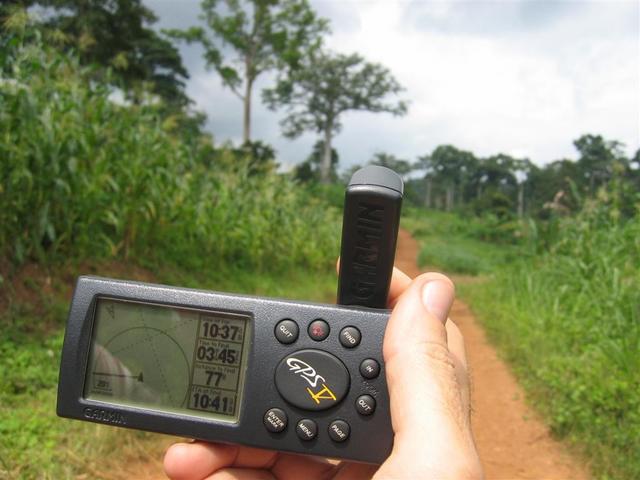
(81, 175)
(569, 320)
(463, 245)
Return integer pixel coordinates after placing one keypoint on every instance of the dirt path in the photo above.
(513, 442)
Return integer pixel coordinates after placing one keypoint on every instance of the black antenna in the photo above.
(372, 205)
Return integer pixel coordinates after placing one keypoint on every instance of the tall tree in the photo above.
(262, 34)
(309, 170)
(118, 34)
(325, 86)
(452, 168)
(424, 163)
(597, 159)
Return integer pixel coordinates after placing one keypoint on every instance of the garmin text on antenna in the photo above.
(369, 231)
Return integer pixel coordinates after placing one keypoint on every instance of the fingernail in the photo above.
(437, 298)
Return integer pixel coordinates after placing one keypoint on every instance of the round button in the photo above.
(339, 430)
(365, 404)
(307, 429)
(312, 379)
(275, 420)
(318, 330)
(350, 337)
(369, 368)
(286, 331)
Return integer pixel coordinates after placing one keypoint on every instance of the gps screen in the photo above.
(168, 359)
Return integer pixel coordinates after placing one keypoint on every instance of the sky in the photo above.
(520, 77)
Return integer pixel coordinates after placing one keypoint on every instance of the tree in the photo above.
(424, 163)
(401, 167)
(264, 34)
(116, 34)
(324, 87)
(452, 168)
(309, 170)
(597, 159)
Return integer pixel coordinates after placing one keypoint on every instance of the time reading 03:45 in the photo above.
(216, 365)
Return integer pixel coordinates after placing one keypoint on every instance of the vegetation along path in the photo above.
(513, 442)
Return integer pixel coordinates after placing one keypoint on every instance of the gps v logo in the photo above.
(309, 374)
(306, 371)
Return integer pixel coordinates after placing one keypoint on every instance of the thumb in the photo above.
(426, 398)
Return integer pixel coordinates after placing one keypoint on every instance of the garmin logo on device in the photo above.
(367, 249)
(102, 415)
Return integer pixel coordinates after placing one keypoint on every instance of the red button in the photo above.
(318, 330)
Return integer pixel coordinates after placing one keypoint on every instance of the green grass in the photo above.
(568, 320)
(456, 245)
(35, 443)
(564, 311)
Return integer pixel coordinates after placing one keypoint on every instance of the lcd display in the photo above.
(168, 359)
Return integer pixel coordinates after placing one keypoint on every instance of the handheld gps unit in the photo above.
(270, 373)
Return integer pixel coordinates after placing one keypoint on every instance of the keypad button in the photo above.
(350, 337)
(306, 429)
(318, 330)
(312, 379)
(369, 368)
(339, 430)
(275, 420)
(287, 331)
(365, 404)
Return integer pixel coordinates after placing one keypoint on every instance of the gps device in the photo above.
(270, 373)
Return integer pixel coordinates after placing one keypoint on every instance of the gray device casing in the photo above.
(371, 437)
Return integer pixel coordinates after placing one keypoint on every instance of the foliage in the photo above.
(309, 170)
(117, 35)
(324, 87)
(466, 245)
(569, 320)
(503, 185)
(597, 160)
(263, 35)
(84, 176)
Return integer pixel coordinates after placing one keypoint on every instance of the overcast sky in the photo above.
(520, 77)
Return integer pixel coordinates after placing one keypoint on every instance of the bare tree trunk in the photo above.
(325, 171)
(450, 193)
(246, 120)
(427, 201)
(520, 200)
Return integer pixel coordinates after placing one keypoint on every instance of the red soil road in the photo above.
(512, 440)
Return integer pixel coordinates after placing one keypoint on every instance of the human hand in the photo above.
(428, 384)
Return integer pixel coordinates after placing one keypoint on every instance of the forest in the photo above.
(107, 167)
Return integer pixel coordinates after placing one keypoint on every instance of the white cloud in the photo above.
(520, 77)
(529, 93)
